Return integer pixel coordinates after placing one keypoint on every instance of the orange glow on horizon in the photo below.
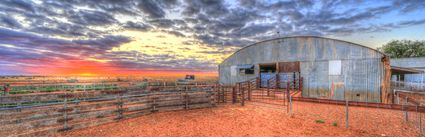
(94, 68)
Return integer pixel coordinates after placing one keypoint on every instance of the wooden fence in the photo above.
(27, 88)
(44, 114)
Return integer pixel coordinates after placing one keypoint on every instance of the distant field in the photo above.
(27, 79)
(36, 84)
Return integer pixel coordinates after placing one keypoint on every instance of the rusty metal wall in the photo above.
(360, 80)
(362, 69)
(289, 66)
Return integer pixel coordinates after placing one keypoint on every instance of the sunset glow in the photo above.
(93, 38)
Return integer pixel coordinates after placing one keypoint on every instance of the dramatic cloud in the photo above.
(174, 35)
(152, 8)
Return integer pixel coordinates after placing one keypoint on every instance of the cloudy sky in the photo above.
(153, 37)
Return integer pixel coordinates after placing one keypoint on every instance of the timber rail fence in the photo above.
(41, 114)
(27, 88)
(49, 113)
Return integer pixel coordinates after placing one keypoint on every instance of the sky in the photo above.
(175, 37)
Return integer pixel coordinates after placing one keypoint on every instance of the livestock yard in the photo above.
(343, 89)
(140, 107)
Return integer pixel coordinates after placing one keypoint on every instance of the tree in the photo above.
(404, 48)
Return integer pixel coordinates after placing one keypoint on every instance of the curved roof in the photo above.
(303, 37)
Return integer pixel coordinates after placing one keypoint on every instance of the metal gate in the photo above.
(267, 89)
(264, 77)
(272, 93)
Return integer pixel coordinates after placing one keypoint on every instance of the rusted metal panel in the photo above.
(289, 66)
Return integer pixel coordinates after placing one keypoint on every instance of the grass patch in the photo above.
(335, 124)
(320, 121)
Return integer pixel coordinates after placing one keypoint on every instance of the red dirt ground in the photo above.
(256, 119)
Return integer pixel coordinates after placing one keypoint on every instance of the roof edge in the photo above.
(306, 36)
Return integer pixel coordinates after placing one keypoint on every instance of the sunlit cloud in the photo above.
(177, 37)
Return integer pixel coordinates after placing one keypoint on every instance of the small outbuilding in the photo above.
(415, 67)
(330, 68)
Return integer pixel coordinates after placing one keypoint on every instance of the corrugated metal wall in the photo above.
(360, 79)
(418, 78)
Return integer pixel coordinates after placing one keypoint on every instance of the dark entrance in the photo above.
(267, 71)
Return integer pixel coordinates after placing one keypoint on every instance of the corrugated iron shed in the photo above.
(358, 73)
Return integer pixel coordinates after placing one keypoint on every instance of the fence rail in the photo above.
(380, 117)
(44, 114)
(28, 88)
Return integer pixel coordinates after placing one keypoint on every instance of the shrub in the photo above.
(320, 121)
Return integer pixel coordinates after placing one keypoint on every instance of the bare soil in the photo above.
(257, 119)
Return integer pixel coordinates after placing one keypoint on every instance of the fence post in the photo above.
(277, 81)
(301, 85)
(186, 97)
(249, 90)
(65, 114)
(276, 88)
(153, 101)
(233, 94)
(398, 97)
(119, 106)
(268, 87)
(290, 104)
(213, 101)
(243, 97)
(221, 92)
(223, 98)
(217, 92)
(287, 90)
(218, 88)
(346, 113)
(257, 83)
(239, 93)
(19, 107)
(420, 124)
(407, 109)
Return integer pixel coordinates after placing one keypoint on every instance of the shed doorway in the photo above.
(267, 71)
(289, 72)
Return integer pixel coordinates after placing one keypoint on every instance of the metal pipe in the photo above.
(346, 113)
(290, 104)
(243, 97)
(233, 95)
(268, 88)
(249, 90)
(420, 124)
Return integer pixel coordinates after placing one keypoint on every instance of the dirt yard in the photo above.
(255, 119)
